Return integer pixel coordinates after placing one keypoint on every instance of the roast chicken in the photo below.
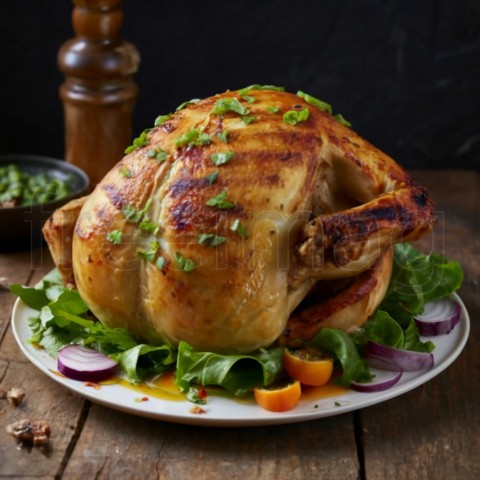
(229, 214)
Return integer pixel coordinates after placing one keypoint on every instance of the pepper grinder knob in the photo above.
(99, 93)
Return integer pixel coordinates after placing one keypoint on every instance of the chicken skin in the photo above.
(223, 217)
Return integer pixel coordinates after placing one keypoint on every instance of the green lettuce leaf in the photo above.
(238, 374)
(343, 349)
(143, 361)
(418, 279)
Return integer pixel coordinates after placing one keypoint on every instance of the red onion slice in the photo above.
(394, 359)
(79, 363)
(382, 381)
(438, 317)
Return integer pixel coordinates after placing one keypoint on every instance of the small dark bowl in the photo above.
(21, 227)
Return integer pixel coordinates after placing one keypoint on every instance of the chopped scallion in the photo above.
(220, 201)
(292, 117)
(115, 237)
(232, 104)
(183, 263)
(219, 158)
(211, 239)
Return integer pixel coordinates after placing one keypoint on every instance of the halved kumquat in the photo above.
(278, 397)
(308, 365)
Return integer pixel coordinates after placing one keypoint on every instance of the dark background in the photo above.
(406, 73)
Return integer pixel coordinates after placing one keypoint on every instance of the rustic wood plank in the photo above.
(117, 445)
(434, 431)
(45, 400)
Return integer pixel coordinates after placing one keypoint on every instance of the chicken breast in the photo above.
(228, 212)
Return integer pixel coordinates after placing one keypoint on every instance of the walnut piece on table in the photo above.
(15, 396)
(36, 433)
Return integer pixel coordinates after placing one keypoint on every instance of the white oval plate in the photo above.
(221, 411)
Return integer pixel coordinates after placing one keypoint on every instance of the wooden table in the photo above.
(432, 432)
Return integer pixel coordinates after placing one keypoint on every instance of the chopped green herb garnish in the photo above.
(159, 155)
(147, 226)
(238, 227)
(211, 239)
(256, 86)
(219, 158)
(160, 120)
(229, 105)
(249, 99)
(292, 117)
(212, 177)
(326, 107)
(161, 263)
(183, 263)
(125, 172)
(115, 237)
(140, 141)
(273, 109)
(194, 395)
(188, 102)
(342, 120)
(246, 120)
(147, 255)
(193, 138)
(220, 201)
(223, 136)
(132, 215)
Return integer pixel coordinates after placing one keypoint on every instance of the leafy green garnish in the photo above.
(273, 109)
(342, 120)
(223, 136)
(140, 141)
(146, 225)
(125, 172)
(238, 227)
(132, 215)
(143, 361)
(249, 98)
(324, 106)
(292, 117)
(211, 239)
(230, 104)
(418, 279)
(238, 374)
(256, 86)
(219, 158)
(115, 237)
(161, 119)
(212, 177)
(158, 154)
(220, 201)
(161, 262)
(149, 255)
(342, 347)
(248, 119)
(183, 263)
(193, 138)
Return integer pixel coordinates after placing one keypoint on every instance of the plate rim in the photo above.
(263, 417)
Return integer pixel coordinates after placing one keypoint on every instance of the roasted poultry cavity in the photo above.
(228, 214)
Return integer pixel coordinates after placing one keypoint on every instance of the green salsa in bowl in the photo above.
(31, 189)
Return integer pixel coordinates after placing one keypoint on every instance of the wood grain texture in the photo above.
(430, 432)
(113, 446)
(434, 431)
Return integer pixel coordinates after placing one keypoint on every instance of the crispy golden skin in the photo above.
(344, 304)
(315, 200)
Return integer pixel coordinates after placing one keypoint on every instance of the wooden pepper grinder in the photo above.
(99, 93)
